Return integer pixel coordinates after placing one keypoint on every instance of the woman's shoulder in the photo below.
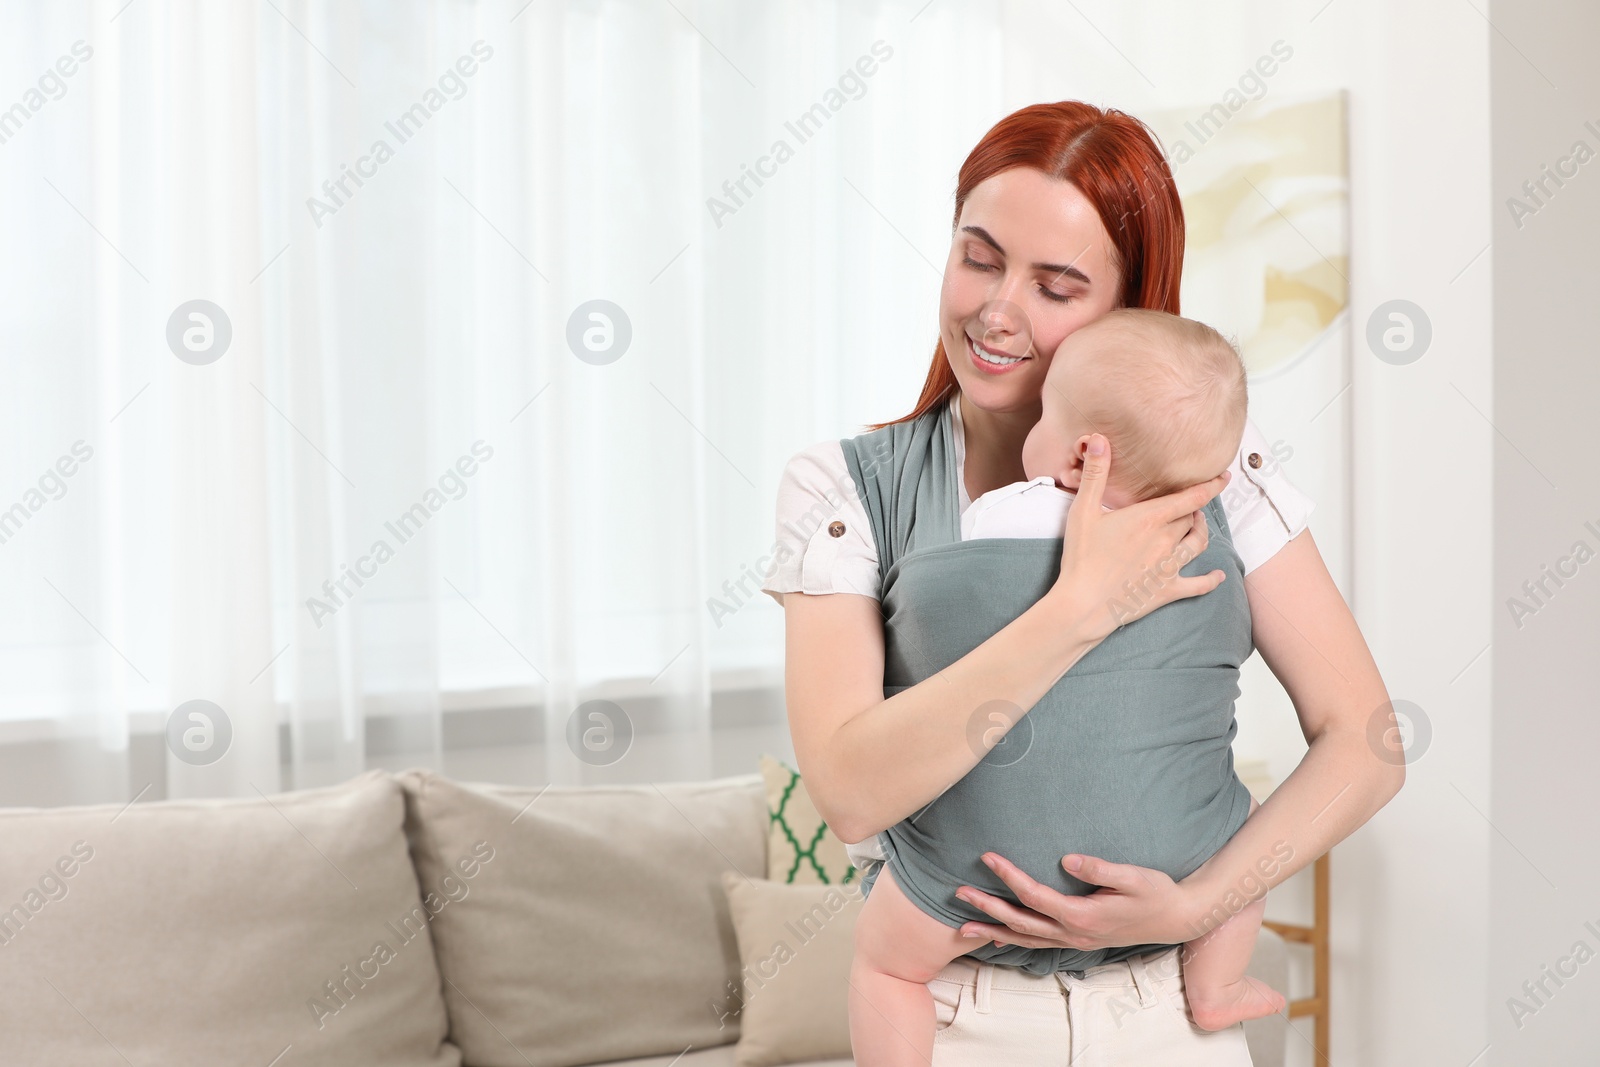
(820, 462)
(822, 470)
(815, 479)
(1265, 509)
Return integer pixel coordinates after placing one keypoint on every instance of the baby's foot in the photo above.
(1218, 1009)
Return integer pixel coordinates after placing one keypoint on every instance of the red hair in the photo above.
(1116, 162)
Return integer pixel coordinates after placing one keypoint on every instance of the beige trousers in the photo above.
(1116, 1015)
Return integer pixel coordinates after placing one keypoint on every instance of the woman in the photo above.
(1064, 212)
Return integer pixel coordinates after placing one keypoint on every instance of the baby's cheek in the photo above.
(1046, 448)
(1037, 459)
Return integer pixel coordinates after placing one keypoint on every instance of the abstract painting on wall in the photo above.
(1265, 188)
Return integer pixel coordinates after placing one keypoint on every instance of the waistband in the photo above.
(1137, 973)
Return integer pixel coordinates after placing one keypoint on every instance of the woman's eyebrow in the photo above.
(1054, 268)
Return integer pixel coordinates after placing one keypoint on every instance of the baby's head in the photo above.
(1167, 392)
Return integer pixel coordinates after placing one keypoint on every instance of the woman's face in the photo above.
(1030, 263)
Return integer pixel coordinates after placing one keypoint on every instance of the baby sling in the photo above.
(1128, 757)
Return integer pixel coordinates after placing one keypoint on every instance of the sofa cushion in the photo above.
(199, 932)
(801, 848)
(600, 930)
(796, 943)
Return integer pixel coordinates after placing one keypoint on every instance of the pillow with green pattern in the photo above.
(801, 850)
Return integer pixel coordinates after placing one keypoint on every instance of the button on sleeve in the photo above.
(822, 538)
(1265, 510)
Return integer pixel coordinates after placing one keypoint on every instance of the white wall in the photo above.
(1543, 879)
(1411, 896)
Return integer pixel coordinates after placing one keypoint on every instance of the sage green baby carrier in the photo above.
(1128, 757)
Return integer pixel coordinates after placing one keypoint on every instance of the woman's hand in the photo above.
(1136, 906)
(1126, 561)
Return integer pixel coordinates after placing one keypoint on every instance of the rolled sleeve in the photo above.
(1265, 511)
(823, 542)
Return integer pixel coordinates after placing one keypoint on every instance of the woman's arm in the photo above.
(869, 762)
(1309, 638)
(1307, 635)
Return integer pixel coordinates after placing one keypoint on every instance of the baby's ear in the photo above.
(1072, 476)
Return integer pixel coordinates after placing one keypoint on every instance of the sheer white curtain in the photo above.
(417, 479)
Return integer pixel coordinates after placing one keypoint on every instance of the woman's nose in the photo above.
(1003, 319)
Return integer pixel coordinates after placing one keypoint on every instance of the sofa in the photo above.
(407, 920)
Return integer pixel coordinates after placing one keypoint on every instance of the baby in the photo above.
(1169, 395)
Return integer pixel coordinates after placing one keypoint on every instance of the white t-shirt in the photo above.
(1037, 508)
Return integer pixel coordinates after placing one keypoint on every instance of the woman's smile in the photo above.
(993, 360)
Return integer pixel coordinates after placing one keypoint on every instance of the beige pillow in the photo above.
(801, 849)
(600, 930)
(198, 932)
(795, 946)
